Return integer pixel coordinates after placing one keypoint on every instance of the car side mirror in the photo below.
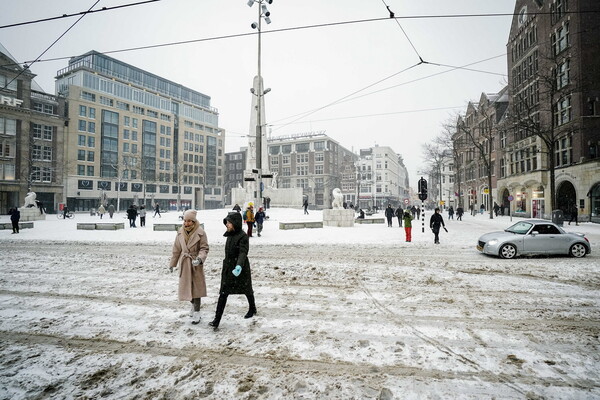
(534, 233)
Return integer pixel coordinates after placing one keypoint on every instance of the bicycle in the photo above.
(69, 215)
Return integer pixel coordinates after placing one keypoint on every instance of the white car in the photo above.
(533, 236)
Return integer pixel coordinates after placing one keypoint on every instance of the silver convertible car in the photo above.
(533, 236)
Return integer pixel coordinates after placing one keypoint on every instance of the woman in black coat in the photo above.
(236, 277)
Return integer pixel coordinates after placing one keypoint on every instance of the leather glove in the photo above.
(237, 270)
(196, 262)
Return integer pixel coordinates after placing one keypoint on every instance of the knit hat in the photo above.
(190, 215)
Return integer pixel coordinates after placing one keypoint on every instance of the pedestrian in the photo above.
(260, 219)
(418, 212)
(481, 208)
(451, 213)
(389, 214)
(236, 277)
(132, 215)
(408, 224)
(40, 206)
(399, 213)
(249, 218)
(496, 209)
(361, 214)
(157, 211)
(101, 211)
(15, 216)
(237, 208)
(142, 215)
(111, 210)
(65, 211)
(459, 213)
(305, 205)
(435, 223)
(189, 252)
(573, 216)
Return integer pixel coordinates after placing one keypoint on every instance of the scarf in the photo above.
(188, 231)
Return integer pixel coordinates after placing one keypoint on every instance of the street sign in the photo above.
(510, 198)
(406, 201)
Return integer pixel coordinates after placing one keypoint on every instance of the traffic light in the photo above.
(422, 189)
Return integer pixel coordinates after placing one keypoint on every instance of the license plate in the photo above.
(479, 248)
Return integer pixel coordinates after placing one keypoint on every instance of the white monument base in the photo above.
(31, 214)
(338, 217)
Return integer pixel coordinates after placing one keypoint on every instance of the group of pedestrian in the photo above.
(251, 219)
(190, 251)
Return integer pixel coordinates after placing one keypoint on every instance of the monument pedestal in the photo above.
(31, 214)
(338, 217)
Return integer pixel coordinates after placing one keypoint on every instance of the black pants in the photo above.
(400, 222)
(223, 302)
(15, 226)
(389, 219)
(436, 233)
(142, 221)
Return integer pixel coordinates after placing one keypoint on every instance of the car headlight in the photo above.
(493, 242)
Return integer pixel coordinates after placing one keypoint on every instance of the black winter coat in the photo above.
(236, 253)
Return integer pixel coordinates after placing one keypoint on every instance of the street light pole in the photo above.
(263, 13)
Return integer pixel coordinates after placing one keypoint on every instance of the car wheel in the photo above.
(508, 251)
(578, 250)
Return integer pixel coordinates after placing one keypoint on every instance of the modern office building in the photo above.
(136, 138)
(312, 161)
(235, 163)
(31, 139)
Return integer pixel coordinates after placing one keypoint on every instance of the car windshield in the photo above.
(520, 228)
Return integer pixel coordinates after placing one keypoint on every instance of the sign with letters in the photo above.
(10, 101)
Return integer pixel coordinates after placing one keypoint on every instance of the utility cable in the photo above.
(26, 67)
(392, 15)
(72, 15)
(349, 95)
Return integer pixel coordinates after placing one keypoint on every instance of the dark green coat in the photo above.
(236, 253)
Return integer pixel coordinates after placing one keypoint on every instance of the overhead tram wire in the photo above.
(349, 95)
(346, 99)
(75, 14)
(26, 67)
(299, 28)
(392, 15)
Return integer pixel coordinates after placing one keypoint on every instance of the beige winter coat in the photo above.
(192, 283)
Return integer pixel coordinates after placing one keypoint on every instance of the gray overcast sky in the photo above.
(305, 68)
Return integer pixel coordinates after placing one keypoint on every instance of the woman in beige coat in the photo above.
(189, 252)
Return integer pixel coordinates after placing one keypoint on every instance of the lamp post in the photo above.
(259, 92)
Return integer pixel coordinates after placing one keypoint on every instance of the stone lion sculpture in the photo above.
(338, 199)
(30, 199)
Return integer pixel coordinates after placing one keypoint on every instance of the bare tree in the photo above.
(482, 138)
(435, 154)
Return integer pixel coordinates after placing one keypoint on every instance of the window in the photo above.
(125, 147)
(560, 39)
(319, 146)
(286, 148)
(88, 96)
(11, 82)
(563, 111)
(562, 74)
(273, 150)
(286, 171)
(82, 126)
(82, 111)
(285, 159)
(81, 155)
(302, 158)
(274, 160)
(91, 127)
(90, 170)
(126, 121)
(564, 151)
(319, 169)
(81, 170)
(81, 140)
(319, 157)
(90, 156)
(91, 141)
(47, 153)
(302, 170)
(92, 112)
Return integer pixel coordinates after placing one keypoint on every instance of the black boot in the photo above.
(252, 306)
(219, 313)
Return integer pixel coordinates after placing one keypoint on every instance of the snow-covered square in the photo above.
(343, 313)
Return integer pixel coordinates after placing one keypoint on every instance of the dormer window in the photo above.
(522, 16)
